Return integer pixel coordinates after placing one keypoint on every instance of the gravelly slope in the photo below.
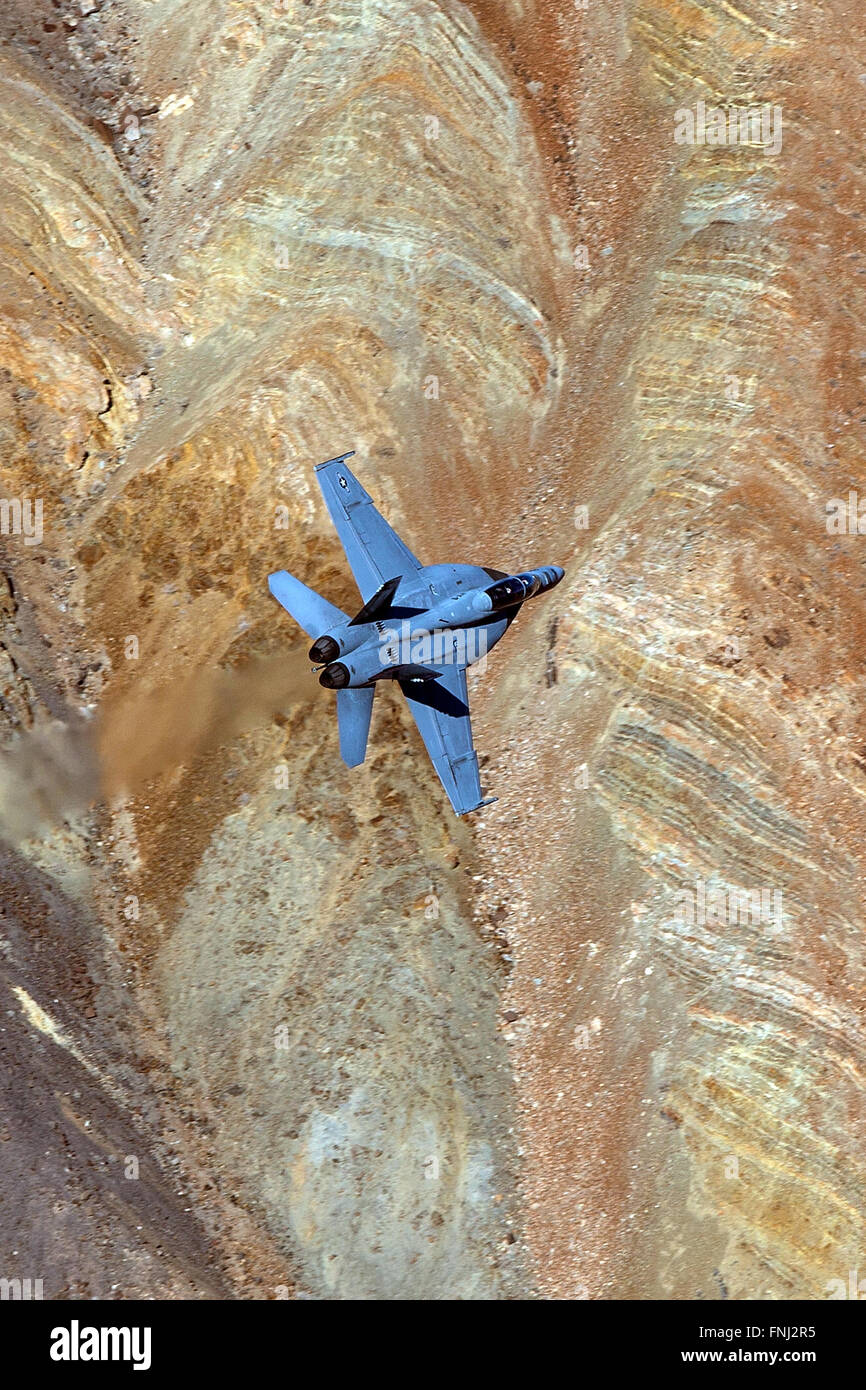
(358, 1048)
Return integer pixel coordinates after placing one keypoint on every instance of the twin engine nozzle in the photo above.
(335, 676)
(324, 650)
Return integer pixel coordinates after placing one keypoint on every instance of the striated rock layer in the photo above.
(354, 1047)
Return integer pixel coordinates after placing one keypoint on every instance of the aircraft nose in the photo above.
(550, 576)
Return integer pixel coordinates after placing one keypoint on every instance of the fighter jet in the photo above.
(420, 625)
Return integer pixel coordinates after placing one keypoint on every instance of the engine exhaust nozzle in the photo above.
(335, 676)
(324, 650)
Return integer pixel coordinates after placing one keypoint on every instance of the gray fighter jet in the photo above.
(421, 625)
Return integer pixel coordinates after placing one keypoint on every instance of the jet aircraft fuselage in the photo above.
(420, 625)
(470, 609)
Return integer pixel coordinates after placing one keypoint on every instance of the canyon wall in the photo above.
(272, 1028)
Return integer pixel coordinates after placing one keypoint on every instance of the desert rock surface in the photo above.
(269, 1028)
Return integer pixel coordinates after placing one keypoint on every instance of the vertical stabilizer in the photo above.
(354, 709)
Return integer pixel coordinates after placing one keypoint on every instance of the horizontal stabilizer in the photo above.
(379, 606)
(314, 613)
(354, 708)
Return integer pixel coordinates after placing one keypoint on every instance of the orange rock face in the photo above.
(569, 302)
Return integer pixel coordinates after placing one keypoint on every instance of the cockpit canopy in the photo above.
(516, 588)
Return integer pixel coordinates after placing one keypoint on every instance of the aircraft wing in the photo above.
(441, 711)
(375, 552)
